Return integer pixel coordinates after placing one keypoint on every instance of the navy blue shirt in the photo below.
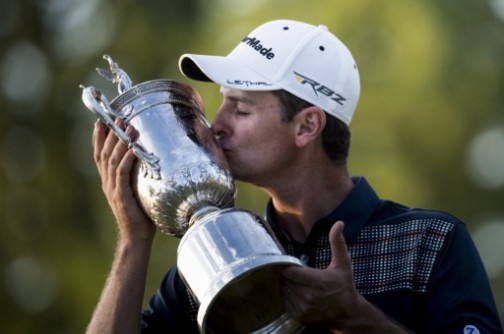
(420, 267)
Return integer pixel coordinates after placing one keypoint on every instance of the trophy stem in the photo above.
(200, 213)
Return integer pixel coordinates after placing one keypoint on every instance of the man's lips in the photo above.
(227, 151)
(225, 148)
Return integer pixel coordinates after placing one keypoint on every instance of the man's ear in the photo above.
(309, 125)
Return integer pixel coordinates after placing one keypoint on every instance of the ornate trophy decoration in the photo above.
(228, 258)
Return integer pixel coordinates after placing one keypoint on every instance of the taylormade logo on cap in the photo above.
(306, 60)
(256, 45)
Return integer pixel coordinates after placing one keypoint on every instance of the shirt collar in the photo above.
(354, 211)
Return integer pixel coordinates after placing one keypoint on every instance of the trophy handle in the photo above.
(99, 105)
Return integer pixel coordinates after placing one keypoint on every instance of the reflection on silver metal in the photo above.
(227, 257)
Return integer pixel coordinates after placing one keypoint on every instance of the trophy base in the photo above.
(232, 266)
(248, 299)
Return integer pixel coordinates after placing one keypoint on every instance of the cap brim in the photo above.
(224, 71)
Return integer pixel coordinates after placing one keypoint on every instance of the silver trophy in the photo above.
(228, 258)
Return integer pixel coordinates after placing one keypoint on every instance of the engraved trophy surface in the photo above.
(228, 258)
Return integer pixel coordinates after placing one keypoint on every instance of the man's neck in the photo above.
(308, 199)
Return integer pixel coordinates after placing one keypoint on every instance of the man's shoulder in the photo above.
(393, 213)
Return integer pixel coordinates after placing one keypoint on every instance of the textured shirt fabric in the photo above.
(420, 267)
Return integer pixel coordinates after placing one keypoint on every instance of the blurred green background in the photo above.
(428, 132)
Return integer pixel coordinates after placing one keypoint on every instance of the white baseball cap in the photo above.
(306, 60)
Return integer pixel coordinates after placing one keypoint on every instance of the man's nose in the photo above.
(217, 125)
(214, 126)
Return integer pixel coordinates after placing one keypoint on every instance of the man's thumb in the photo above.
(340, 256)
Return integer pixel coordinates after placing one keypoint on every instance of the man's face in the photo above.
(257, 144)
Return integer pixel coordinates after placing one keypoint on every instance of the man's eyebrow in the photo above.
(243, 99)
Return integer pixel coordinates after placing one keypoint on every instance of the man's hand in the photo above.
(115, 163)
(328, 298)
(323, 297)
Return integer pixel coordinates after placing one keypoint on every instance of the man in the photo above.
(373, 266)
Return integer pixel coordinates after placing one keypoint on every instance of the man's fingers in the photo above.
(99, 136)
(127, 158)
(109, 152)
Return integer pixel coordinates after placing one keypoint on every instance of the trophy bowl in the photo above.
(228, 258)
(190, 170)
(180, 166)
